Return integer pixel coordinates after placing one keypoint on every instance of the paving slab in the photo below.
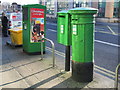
(12, 79)
(100, 81)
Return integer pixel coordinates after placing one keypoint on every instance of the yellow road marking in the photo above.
(56, 51)
(107, 32)
(103, 32)
(105, 71)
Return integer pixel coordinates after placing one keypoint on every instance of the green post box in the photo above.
(64, 34)
(34, 26)
(82, 23)
(63, 28)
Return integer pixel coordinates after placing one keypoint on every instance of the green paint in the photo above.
(64, 28)
(27, 45)
(82, 22)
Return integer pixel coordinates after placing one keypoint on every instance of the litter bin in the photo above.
(16, 36)
(82, 23)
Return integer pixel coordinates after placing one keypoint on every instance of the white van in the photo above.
(15, 19)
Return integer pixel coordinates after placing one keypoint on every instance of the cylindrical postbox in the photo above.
(82, 24)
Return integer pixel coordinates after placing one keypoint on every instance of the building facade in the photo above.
(106, 8)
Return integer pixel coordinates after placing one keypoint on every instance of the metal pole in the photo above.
(41, 50)
(116, 77)
(67, 58)
(53, 50)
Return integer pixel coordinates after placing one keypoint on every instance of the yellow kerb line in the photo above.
(57, 52)
(63, 55)
(106, 32)
(104, 69)
(104, 73)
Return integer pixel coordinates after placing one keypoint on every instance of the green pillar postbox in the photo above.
(64, 34)
(63, 28)
(82, 25)
(34, 25)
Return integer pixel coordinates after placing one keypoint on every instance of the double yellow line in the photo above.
(111, 31)
(96, 68)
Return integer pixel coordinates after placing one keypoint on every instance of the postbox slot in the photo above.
(74, 19)
(61, 16)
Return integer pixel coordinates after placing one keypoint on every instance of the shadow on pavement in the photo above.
(20, 66)
(26, 77)
(43, 82)
(68, 83)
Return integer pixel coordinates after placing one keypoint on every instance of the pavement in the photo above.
(20, 70)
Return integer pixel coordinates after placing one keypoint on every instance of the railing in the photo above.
(116, 77)
(53, 50)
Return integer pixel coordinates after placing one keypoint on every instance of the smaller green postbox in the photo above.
(63, 28)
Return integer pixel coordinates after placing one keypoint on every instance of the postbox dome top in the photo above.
(63, 11)
(83, 10)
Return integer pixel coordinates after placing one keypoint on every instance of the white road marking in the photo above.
(111, 30)
(52, 30)
(111, 44)
(107, 43)
(52, 24)
(106, 32)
